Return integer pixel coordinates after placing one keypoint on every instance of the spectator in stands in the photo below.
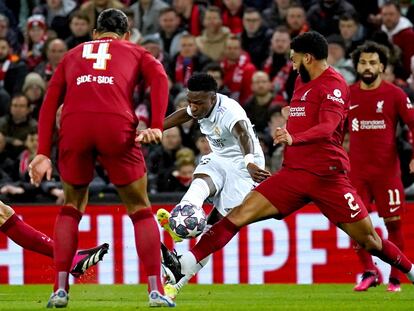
(135, 34)
(12, 69)
(255, 37)
(152, 43)
(368, 13)
(7, 164)
(79, 24)
(4, 102)
(336, 58)
(214, 69)
(55, 50)
(296, 20)
(180, 176)
(213, 39)
(279, 66)
(275, 152)
(146, 14)
(34, 88)
(56, 13)
(324, 15)
(36, 38)
(161, 158)
(191, 14)
(258, 105)
(92, 8)
(188, 130)
(233, 15)
(170, 31)
(187, 61)
(399, 30)
(351, 31)
(238, 70)
(17, 124)
(389, 76)
(9, 34)
(203, 147)
(276, 14)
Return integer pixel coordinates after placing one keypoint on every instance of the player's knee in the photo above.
(370, 243)
(5, 212)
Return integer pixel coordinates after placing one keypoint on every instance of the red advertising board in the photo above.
(305, 248)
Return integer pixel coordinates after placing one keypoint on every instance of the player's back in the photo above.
(100, 77)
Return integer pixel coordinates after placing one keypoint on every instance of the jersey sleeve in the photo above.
(335, 97)
(47, 117)
(405, 108)
(232, 116)
(154, 75)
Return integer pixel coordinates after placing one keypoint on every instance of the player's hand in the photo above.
(38, 168)
(149, 136)
(282, 136)
(257, 174)
(285, 112)
(412, 166)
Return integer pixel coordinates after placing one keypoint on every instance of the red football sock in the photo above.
(27, 237)
(395, 235)
(66, 242)
(148, 244)
(215, 238)
(365, 258)
(392, 255)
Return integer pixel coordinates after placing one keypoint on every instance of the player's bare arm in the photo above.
(176, 118)
(242, 134)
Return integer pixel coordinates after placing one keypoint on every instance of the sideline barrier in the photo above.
(305, 248)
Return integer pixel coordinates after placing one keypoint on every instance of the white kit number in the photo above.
(101, 57)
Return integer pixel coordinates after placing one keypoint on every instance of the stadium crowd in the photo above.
(244, 45)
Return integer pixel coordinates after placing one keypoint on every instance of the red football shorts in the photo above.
(289, 190)
(108, 138)
(387, 193)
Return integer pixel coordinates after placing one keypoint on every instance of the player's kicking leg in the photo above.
(31, 239)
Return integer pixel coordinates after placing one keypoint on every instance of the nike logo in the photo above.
(355, 214)
(353, 107)
(393, 209)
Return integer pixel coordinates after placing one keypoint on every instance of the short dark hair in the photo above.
(311, 42)
(79, 15)
(202, 82)
(349, 16)
(112, 20)
(371, 47)
(214, 66)
(393, 3)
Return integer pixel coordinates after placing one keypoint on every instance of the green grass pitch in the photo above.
(215, 297)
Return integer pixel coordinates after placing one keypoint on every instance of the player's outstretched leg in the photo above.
(163, 217)
(84, 259)
(395, 235)
(371, 276)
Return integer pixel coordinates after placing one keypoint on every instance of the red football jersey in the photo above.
(100, 76)
(329, 92)
(373, 118)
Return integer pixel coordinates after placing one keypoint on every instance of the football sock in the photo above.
(395, 235)
(27, 237)
(365, 258)
(410, 274)
(392, 255)
(197, 193)
(66, 242)
(214, 239)
(148, 244)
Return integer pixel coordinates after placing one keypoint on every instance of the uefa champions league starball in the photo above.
(187, 220)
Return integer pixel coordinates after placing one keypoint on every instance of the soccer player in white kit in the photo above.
(231, 170)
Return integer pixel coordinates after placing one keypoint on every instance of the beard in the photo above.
(304, 74)
(369, 79)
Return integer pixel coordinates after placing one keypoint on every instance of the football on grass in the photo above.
(187, 221)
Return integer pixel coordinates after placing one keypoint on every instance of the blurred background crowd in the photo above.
(244, 45)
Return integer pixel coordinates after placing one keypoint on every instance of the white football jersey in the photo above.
(218, 126)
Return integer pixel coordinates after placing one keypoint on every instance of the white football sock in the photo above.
(188, 264)
(410, 274)
(184, 280)
(197, 193)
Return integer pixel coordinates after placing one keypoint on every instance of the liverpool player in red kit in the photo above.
(315, 166)
(95, 80)
(376, 107)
